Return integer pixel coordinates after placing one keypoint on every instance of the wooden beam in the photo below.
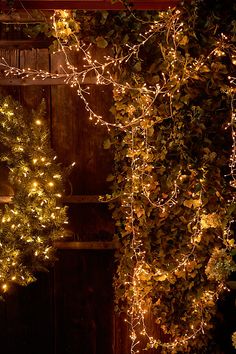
(89, 4)
(70, 199)
(27, 81)
(23, 17)
(76, 245)
(24, 44)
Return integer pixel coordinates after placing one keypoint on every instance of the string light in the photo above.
(35, 219)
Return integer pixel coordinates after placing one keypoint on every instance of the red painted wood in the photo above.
(90, 4)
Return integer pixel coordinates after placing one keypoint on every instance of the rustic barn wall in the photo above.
(72, 305)
(77, 139)
(70, 309)
(83, 302)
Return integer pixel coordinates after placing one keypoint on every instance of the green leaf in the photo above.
(101, 42)
(184, 41)
(107, 144)
(233, 252)
(110, 178)
(137, 66)
(189, 203)
(104, 17)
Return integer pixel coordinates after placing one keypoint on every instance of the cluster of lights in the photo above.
(232, 125)
(36, 217)
(75, 76)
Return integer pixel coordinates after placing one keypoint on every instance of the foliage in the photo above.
(35, 219)
(171, 167)
(234, 339)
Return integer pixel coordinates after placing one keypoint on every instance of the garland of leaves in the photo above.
(173, 218)
(172, 105)
(36, 217)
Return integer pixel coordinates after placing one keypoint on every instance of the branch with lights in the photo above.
(36, 217)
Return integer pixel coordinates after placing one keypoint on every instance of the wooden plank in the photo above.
(24, 43)
(31, 96)
(90, 222)
(70, 199)
(76, 138)
(25, 17)
(58, 63)
(90, 4)
(83, 303)
(11, 56)
(27, 81)
(76, 245)
(35, 60)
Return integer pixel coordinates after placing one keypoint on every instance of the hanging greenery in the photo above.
(173, 217)
(172, 152)
(36, 217)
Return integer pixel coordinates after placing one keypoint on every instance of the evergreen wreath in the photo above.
(36, 217)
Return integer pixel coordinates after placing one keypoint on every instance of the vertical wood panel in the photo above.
(83, 311)
(91, 222)
(26, 317)
(75, 138)
(31, 96)
(84, 302)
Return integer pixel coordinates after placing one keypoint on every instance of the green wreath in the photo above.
(36, 217)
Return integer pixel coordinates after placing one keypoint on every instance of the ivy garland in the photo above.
(35, 219)
(174, 214)
(179, 207)
(172, 168)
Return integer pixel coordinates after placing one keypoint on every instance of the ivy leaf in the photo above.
(101, 42)
(107, 144)
(205, 69)
(150, 131)
(161, 277)
(104, 17)
(231, 242)
(184, 41)
(137, 66)
(189, 203)
(110, 178)
(125, 39)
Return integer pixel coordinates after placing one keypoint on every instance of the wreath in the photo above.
(35, 218)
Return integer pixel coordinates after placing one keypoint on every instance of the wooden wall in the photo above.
(70, 309)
